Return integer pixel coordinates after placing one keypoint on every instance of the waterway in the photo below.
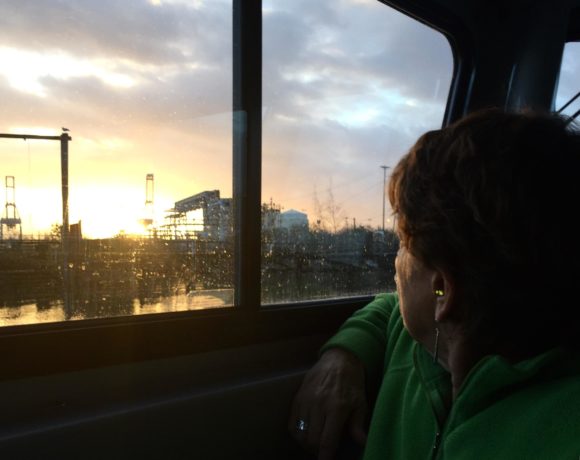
(31, 313)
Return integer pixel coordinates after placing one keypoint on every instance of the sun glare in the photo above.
(109, 211)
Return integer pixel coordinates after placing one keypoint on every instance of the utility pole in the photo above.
(64, 139)
(384, 186)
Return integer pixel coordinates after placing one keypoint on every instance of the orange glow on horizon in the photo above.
(107, 178)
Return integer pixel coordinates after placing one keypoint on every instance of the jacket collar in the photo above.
(490, 380)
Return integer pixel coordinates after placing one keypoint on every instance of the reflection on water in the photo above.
(123, 277)
(196, 300)
(110, 278)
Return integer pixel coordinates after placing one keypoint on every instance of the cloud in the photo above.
(364, 49)
(346, 91)
(133, 30)
(347, 86)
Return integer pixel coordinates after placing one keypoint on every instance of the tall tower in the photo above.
(147, 221)
(11, 220)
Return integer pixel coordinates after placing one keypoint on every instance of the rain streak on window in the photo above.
(144, 90)
(348, 87)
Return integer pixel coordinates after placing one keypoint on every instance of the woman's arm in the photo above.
(333, 397)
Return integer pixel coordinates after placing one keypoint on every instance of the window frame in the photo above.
(47, 348)
(573, 33)
(572, 36)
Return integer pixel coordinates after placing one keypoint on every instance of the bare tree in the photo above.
(329, 214)
(318, 212)
(333, 209)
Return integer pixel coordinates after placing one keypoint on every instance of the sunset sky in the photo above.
(145, 87)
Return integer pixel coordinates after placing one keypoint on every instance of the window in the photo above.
(144, 90)
(568, 85)
(348, 87)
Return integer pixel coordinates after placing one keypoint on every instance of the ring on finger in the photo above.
(301, 425)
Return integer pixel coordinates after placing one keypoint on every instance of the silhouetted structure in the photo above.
(11, 220)
(217, 217)
(147, 221)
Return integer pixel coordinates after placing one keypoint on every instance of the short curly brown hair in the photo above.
(490, 200)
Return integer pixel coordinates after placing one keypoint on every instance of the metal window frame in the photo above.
(247, 150)
(92, 343)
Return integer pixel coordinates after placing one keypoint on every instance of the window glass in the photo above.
(348, 86)
(144, 89)
(568, 85)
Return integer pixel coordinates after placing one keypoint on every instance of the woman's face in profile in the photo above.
(416, 297)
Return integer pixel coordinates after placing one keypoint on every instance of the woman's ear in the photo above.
(443, 287)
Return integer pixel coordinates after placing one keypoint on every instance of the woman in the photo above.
(477, 353)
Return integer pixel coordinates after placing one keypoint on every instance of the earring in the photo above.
(438, 292)
(436, 347)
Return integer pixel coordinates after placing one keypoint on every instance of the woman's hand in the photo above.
(332, 398)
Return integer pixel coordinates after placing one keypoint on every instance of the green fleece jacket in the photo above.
(530, 410)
